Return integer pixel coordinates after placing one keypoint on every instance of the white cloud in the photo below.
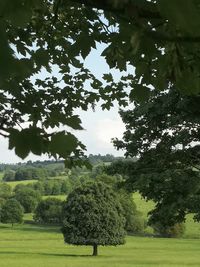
(108, 129)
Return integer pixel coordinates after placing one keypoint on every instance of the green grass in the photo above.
(61, 197)
(43, 246)
(25, 182)
(192, 228)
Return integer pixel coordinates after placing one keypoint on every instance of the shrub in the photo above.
(177, 230)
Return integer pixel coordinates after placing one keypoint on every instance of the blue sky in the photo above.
(99, 126)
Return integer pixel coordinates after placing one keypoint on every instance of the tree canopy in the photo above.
(43, 78)
(49, 211)
(92, 216)
(164, 134)
(11, 212)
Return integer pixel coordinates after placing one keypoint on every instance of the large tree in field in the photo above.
(164, 134)
(93, 216)
(43, 78)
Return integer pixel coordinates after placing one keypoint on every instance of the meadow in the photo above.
(33, 245)
(42, 246)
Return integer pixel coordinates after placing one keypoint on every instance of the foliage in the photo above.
(9, 176)
(177, 230)
(28, 198)
(48, 187)
(55, 37)
(93, 216)
(56, 187)
(99, 159)
(134, 222)
(163, 134)
(11, 212)
(30, 174)
(5, 190)
(49, 211)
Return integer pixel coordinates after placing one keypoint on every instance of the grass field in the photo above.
(43, 246)
(14, 183)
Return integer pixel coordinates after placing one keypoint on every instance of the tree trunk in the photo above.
(95, 250)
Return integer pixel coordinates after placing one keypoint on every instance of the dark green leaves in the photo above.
(74, 122)
(26, 141)
(140, 93)
(60, 145)
(183, 14)
(63, 144)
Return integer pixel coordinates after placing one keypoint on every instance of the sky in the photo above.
(99, 126)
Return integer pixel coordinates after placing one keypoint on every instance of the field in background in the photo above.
(25, 182)
(192, 228)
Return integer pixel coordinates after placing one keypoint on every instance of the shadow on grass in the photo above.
(34, 228)
(42, 254)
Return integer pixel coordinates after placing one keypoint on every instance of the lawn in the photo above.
(43, 246)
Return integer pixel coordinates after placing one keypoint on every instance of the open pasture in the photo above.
(43, 246)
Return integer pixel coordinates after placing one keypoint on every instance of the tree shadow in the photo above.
(43, 254)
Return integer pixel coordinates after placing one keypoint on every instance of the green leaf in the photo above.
(63, 144)
(139, 93)
(108, 77)
(74, 122)
(26, 141)
(18, 141)
(41, 57)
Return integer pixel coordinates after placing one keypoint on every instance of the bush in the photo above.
(176, 230)
(49, 211)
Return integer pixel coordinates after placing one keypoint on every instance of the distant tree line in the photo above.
(31, 173)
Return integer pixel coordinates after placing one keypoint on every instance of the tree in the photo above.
(28, 198)
(11, 212)
(49, 211)
(134, 222)
(5, 190)
(57, 36)
(9, 175)
(163, 134)
(93, 216)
